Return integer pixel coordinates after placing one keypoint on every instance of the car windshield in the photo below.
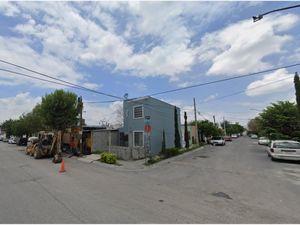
(217, 138)
(293, 145)
(263, 138)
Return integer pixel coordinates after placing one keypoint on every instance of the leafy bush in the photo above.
(279, 136)
(108, 157)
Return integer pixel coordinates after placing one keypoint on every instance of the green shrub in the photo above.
(108, 157)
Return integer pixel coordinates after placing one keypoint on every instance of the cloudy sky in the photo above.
(142, 48)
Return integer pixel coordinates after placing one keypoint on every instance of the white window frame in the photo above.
(133, 137)
(135, 118)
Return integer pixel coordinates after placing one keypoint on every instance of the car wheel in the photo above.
(273, 159)
(37, 154)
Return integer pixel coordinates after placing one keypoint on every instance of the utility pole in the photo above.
(214, 120)
(196, 122)
(80, 106)
(224, 125)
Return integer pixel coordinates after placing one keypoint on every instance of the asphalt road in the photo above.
(236, 183)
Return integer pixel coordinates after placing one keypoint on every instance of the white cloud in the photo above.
(211, 97)
(13, 107)
(8, 9)
(95, 113)
(241, 47)
(93, 37)
(19, 52)
(269, 85)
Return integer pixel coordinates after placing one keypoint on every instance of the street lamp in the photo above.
(260, 16)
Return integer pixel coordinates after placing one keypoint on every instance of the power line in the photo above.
(243, 91)
(223, 80)
(37, 78)
(97, 102)
(57, 79)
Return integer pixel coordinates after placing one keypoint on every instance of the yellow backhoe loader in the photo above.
(47, 145)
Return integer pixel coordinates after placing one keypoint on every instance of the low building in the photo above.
(192, 133)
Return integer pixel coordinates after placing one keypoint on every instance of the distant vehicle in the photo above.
(22, 141)
(227, 138)
(234, 136)
(253, 136)
(284, 149)
(5, 139)
(263, 141)
(217, 141)
(12, 140)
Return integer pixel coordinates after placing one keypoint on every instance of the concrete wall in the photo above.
(127, 153)
(100, 139)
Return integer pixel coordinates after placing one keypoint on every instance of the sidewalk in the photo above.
(133, 165)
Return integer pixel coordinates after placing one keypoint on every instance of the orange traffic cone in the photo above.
(62, 167)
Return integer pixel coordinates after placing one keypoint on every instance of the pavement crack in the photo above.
(221, 195)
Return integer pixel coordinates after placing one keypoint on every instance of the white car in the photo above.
(284, 149)
(217, 141)
(12, 140)
(263, 141)
(254, 136)
(234, 136)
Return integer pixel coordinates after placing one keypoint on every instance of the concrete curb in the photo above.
(141, 167)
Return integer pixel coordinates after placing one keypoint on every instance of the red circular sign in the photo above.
(147, 128)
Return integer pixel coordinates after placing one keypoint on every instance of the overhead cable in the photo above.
(57, 79)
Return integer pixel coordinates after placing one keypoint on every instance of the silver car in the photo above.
(284, 149)
(217, 141)
(263, 141)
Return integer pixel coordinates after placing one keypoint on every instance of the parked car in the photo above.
(284, 149)
(227, 138)
(12, 140)
(254, 136)
(263, 141)
(217, 141)
(22, 141)
(234, 136)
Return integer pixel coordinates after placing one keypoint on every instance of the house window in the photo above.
(138, 112)
(138, 138)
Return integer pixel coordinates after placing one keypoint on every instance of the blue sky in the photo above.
(141, 48)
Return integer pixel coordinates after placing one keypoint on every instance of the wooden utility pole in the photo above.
(196, 122)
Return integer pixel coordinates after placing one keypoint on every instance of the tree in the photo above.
(208, 128)
(163, 144)
(253, 125)
(297, 89)
(7, 126)
(177, 135)
(186, 133)
(281, 118)
(59, 111)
